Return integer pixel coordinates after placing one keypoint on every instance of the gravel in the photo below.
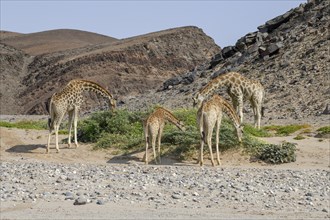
(167, 186)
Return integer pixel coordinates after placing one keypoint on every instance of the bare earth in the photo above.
(25, 146)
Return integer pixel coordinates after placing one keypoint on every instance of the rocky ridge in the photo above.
(289, 55)
(125, 67)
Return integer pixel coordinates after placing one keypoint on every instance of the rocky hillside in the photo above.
(127, 67)
(288, 54)
(53, 40)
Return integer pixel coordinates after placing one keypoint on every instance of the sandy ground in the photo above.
(29, 145)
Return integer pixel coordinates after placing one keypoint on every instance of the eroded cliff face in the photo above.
(289, 55)
(127, 67)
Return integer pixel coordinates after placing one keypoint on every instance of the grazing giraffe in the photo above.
(210, 114)
(69, 100)
(153, 127)
(239, 88)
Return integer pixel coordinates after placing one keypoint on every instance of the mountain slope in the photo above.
(289, 55)
(126, 67)
(55, 40)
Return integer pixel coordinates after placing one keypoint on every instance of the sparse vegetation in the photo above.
(256, 132)
(123, 131)
(285, 130)
(37, 125)
(299, 137)
(324, 130)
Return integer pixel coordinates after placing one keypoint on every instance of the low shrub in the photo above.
(285, 130)
(276, 154)
(324, 130)
(123, 131)
(37, 125)
(249, 129)
(299, 137)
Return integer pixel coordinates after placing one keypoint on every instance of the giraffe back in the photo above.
(71, 94)
(160, 115)
(236, 83)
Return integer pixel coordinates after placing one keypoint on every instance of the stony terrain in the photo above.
(252, 191)
(85, 184)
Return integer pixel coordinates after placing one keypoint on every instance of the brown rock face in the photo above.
(127, 67)
(289, 55)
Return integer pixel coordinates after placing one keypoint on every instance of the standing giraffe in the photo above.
(210, 114)
(69, 100)
(239, 88)
(153, 127)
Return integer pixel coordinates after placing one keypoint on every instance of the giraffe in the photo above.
(238, 88)
(153, 127)
(209, 114)
(69, 100)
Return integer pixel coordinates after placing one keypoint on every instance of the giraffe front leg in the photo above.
(240, 109)
(75, 119)
(258, 117)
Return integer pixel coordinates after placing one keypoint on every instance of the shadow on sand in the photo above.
(132, 158)
(32, 149)
(26, 148)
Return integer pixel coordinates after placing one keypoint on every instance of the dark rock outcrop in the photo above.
(289, 55)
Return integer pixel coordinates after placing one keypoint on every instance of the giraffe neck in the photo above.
(94, 87)
(222, 80)
(229, 110)
(171, 118)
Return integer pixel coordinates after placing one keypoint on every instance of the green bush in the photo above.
(324, 130)
(276, 154)
(119, 129)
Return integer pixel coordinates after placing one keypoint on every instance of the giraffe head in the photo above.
(112, 103)
(198, 99)
(239, 132)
